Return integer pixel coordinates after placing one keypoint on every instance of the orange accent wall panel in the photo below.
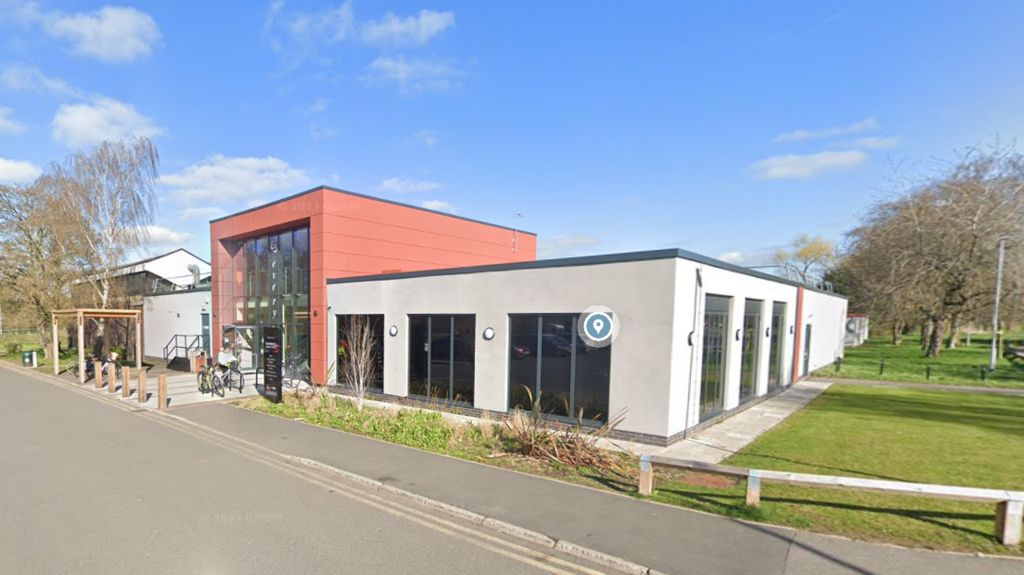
(350, 235)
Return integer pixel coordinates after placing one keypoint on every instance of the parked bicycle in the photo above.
(207, 383)
(229, 378)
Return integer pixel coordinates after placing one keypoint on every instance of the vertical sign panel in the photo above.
(272, 363)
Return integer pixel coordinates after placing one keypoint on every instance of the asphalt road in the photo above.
(89, 486)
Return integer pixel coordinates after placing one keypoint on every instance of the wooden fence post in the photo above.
(141, 391)
(112, 378)
(754, 489)
(97, 373)
(161, 392)
(646, 486)
(126, 389)
(1009, 516)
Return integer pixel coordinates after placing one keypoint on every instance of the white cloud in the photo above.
(748, 258)
(439, 206)
(83, 125)
(411, 30)
(414, 75)
(22, 78)
(17, 171)
(318, 106)
(427, 137)
(566, 245)
(877, 142)
(865, 125)
(803, 166)
(9, 125)
(158, 235)
(319, 132)
(298, 36)
(110, 34)
(226, 179)
(201, 212)
(407, 186)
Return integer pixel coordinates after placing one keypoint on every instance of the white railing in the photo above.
(1009, 504)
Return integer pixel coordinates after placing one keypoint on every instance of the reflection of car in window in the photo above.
(555, 345)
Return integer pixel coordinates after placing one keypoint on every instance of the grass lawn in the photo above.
(906, 362)
(903, 434)
(915, 435)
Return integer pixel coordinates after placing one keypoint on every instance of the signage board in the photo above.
(272, 363)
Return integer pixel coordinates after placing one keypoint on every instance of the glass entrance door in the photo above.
(807, 350)
(751, 349)
(716, 342)
(778, 330)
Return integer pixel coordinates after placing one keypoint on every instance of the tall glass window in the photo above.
(376, 326)
(751, 349)
(778, 341)
(548, 359)
(442, 352)
(274, 290)
(715, 348)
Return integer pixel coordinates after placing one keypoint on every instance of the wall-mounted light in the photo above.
(689, 338)
(767, 332)
(393, 330)
(792, 329)
(488, 333)
(316, 313)
(738, 334)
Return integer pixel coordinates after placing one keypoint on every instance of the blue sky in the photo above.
(723, 128)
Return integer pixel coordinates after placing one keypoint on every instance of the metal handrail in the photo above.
(190, 342)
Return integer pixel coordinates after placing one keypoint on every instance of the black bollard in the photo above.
(928, 373)
(881, 367)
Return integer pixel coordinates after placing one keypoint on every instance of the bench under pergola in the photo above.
(80, 316)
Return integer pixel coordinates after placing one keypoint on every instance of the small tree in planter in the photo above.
(357, 356)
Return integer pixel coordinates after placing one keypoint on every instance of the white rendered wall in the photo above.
(640, 293)
(175, 313)
(827, 314)
(684, 403)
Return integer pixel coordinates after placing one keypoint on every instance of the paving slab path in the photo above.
(924, 386)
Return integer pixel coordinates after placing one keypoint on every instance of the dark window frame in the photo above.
(574, 337)
(449, 396)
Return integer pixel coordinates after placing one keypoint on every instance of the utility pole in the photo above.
(995, 310)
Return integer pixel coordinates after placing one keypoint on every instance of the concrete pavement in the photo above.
(667, 539)
(924, 386)
(93, 485)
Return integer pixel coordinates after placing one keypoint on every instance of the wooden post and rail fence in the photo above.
(1009, 504)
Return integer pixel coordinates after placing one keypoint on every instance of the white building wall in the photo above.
(640, 293)
(826, 314)
(174, 313)
(686, 358)
(659, 304)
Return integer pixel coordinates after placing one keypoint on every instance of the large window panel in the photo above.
(524, 357)
(376, 326)
(714, 352)
(549, 360)
(751, 349)
(419, 346)
(442, 355)
(464, 359)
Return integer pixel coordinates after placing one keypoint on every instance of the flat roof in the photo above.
(672, 253)
(368, 197)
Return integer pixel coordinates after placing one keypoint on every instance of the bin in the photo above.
(29, 359)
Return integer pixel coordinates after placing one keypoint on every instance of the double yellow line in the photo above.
(478, 535)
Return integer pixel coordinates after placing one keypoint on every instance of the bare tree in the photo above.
(358, 355)
(107, 202)
(928, 255)
(807, 260)
(34, 269)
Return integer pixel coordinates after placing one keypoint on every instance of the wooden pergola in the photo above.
(80, 316)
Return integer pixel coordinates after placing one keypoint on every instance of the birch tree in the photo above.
(106, 200)
(358, 355)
